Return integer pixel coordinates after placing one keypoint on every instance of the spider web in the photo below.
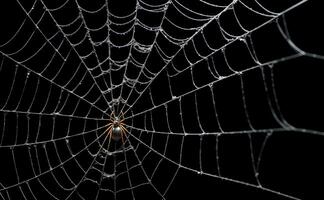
(192, 80)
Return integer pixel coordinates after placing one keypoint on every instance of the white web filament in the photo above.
(189, 78)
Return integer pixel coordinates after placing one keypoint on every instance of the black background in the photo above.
(292, 160)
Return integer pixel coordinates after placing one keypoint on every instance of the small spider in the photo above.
(116, 127)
